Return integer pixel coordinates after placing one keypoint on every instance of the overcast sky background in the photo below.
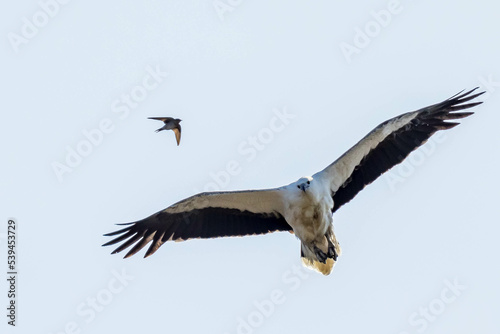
(419, 245)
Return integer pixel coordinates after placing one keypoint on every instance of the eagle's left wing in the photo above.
(389, 144)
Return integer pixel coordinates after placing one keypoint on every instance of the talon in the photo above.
(332, 253)
(320, 255)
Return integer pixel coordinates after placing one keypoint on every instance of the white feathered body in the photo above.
(309, 213)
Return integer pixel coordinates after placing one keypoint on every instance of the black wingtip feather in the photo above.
(461, 94)
(120, 238)
(140, 245)
(457, 115)
(461, 98)
(157, 242)
(447, 125)
(124, 224)
(129, 242)
(464, 106)
(117, 232)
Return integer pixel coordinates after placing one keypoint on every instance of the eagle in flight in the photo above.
(304, 207)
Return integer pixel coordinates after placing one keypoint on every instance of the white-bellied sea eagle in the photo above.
(304, 207)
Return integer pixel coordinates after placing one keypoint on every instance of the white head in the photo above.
(304, 183)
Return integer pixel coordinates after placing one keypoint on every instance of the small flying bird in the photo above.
(304, 207)
(170, 124)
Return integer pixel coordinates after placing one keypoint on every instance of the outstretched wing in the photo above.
(389, 144)
(206, 215)
(177, 132)
(163, 119)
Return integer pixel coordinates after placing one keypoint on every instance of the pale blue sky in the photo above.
(419, 245)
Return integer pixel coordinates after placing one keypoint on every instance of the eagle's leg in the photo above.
(320, 255)
(332, 253)
(333, 246)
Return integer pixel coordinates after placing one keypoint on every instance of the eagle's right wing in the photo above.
(206, 215)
